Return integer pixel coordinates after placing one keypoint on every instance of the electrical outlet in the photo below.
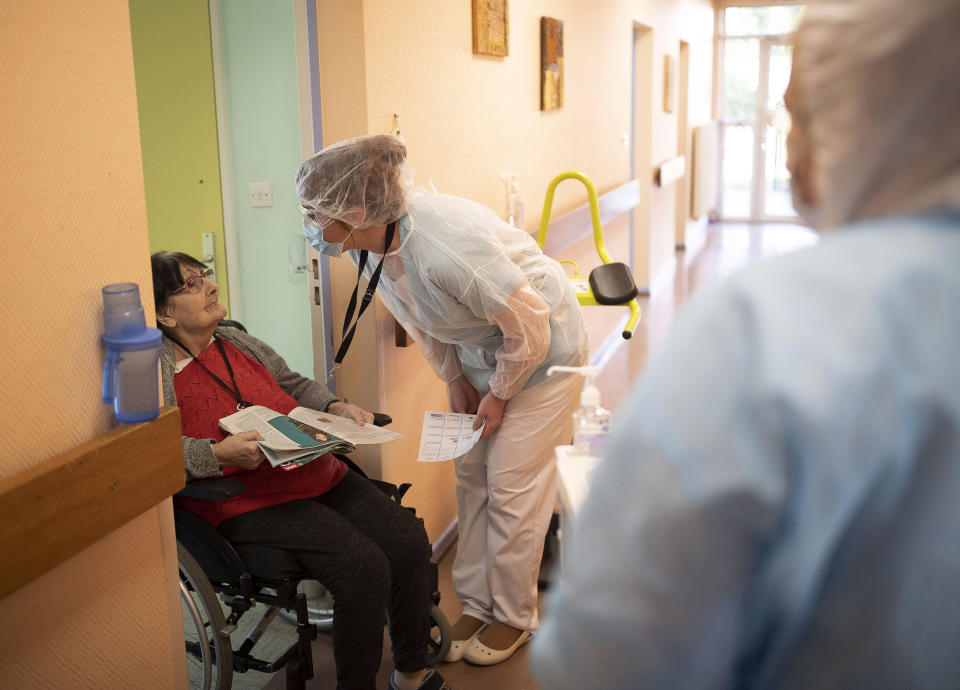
(260, 194)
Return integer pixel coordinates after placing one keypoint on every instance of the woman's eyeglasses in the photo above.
(193, 283)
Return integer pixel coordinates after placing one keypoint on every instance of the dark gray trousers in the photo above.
(371, 554)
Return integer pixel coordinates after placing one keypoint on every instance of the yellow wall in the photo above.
(173, 61)
(72, 219)
(466, 119)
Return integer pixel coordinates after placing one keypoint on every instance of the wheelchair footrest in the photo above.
(612, 283)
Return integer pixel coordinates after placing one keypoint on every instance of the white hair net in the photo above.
(362, 182)
(878, 93)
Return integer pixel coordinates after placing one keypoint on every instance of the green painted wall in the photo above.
(264, 134)
(178, 126)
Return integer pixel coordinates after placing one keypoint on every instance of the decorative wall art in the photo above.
(491, 30)
(551, 63)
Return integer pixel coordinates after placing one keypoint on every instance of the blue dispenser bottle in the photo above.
(132, 353)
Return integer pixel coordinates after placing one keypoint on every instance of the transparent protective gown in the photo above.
(478, 295)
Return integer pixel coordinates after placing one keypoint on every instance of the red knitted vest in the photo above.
(203, 402)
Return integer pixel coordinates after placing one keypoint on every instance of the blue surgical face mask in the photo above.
(315, 237)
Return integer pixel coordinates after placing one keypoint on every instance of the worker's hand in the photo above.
(239, 450)
(463, 397)
(491, 410)
(350, 411)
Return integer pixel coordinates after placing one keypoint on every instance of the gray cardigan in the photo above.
(198, 457)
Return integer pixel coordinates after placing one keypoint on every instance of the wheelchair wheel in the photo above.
(319, 606)
(209, 654)
(440, 636)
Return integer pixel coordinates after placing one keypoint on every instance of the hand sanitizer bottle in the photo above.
(514, 202)
(591, 422)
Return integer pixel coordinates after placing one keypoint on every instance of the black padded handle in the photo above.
(381, 419)
(212, 488)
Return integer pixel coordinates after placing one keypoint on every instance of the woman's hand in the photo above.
(491, 410)
(350, 411)
(239, 450)
(462, 396)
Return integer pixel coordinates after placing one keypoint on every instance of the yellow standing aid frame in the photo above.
(609, 284)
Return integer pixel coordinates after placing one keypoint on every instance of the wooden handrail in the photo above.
(64, 504)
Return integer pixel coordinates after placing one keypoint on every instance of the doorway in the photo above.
(227, 107)
(755, 62)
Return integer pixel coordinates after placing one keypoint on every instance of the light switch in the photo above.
(260, 194)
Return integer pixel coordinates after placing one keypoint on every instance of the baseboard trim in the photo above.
(696, 238)
(445, 540)
(610, 345)
(664, 277)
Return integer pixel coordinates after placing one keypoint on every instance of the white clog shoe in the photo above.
(482, 655)
(459, 647)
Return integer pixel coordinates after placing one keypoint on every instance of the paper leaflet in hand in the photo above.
(302, 435)
(447, 435)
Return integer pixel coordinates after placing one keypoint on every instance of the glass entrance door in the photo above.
(772, 200)
(756, 63)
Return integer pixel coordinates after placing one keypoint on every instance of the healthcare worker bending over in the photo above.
(778, 506)
(492, 314)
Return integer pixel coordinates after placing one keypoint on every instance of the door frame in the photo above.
(226, 168)
(311, 139)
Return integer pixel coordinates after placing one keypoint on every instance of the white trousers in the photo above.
(506, 492)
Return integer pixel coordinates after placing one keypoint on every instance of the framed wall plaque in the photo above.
(491, 30)
(551, 63)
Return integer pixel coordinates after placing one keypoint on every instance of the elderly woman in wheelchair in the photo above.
(326, 522)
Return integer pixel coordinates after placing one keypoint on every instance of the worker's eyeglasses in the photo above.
(193, 284)
(314, 219)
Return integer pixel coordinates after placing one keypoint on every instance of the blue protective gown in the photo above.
(779, 505)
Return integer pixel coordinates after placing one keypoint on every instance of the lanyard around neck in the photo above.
(235, 391)
(348, 330)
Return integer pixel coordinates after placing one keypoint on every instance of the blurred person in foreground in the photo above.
(777, 507)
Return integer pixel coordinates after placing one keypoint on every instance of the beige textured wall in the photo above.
(466, 119)
(72, 219)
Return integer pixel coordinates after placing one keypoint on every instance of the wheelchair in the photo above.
(250, 574)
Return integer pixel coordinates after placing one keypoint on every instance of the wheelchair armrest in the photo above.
(212, 488)
(381, 419)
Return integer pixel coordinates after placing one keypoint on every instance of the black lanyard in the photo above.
(348, 331)
(235, 391)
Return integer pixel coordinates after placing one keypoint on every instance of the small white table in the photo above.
(573, 481)
(574, 472)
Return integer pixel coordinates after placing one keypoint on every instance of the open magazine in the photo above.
(302, 435)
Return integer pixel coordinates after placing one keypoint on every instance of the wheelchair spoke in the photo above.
(196, 641)
(208, 654)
